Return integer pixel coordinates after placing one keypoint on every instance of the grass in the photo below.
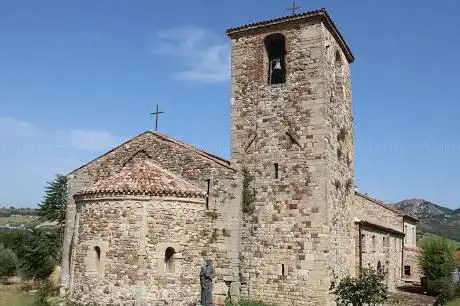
(455, 302)
(11, 296)
(17, 219)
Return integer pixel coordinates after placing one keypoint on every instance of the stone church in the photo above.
(281, 221)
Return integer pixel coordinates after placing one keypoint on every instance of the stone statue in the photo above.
(206, 275)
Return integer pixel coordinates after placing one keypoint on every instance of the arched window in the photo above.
(338, 72)
(169, 260)
(275, 46)
(379, 267)
(97, 258)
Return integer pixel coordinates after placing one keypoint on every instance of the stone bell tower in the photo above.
(292, 131)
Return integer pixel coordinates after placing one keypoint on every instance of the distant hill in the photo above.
(434, 218)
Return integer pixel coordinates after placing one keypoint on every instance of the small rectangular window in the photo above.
(276, 171)
(283, 272)
(208, 181)
(407, 270)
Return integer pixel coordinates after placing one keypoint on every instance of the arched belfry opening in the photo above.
(275, 46)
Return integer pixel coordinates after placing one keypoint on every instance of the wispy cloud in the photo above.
(31, 154)
(11, 127)
(20, 131)
(91, 140)
(204, 56)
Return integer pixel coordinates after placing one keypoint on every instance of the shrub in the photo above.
(248, 193)
(8, 263)
(369, 288)
(436, 263)
(45, 290)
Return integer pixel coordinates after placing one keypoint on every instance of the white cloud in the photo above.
(91, 140)
(205, 58)
(11, 127)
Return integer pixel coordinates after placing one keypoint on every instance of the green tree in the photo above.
(367, 289)
(41, 255)
(55, 201)
(437, 264)
(436, 260)
(8, 263)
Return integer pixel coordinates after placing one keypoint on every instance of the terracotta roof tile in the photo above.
(142, 178)
(202, 153)
(322, 13)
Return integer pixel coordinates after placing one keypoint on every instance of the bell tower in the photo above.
(292, 135)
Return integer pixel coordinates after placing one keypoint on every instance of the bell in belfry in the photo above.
(276, 71)
(277, 64)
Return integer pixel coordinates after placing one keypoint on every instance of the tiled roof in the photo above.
(321, 13)
(142, 178)
(379, 227)
(387, 206)
(202, 153)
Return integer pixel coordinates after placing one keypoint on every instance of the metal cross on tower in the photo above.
(293, 8)
(157, 114)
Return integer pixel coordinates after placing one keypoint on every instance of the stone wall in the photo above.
(411, 254)
(382, 239)
(186, 162)
(133, 236)
(298, 232)
(372, 211)
(380, 246)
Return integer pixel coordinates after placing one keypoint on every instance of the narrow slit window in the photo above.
(97, 255)
(283, 272)
(208, 181)
(275, 47)
(276, 170)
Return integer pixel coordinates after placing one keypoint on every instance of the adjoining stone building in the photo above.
(280, 221)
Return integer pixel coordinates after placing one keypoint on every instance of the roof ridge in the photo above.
(385, 205)
(202, 152)
(320, 12)
(217, 159)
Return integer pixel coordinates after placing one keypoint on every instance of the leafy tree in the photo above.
(41, 255)
(8, 263)
(436, 260)
(437, 264)
(367, 289)
(55, 201)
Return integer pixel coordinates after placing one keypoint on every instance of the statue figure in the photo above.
(206, 275)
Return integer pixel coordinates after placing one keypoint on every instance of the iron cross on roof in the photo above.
(293, 8)
(157, 114)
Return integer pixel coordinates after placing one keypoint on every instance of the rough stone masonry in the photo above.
(281, 221)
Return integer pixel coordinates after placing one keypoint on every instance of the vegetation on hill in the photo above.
(433, 218)
(11, 211)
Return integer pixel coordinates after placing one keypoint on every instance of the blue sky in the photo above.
(78, 77)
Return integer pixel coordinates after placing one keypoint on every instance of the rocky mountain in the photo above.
(433, 218)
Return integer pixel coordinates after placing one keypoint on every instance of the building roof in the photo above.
(199, 152)
(387, 206)
(142, 179)
(379, 227)
(321, 14)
